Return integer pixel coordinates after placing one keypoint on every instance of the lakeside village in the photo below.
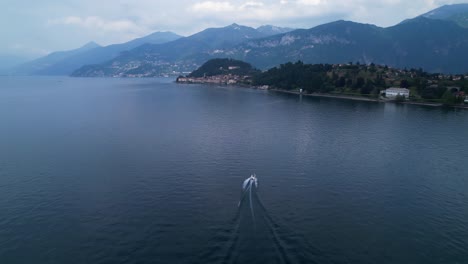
(369, 82)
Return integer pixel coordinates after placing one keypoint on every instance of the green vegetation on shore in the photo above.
(224, 66)
(364, 80)
(351, 79)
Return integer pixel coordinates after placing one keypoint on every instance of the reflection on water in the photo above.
(145, 171)
(255, 237)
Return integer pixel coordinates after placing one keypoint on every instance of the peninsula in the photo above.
(222, 71)
(349, 80)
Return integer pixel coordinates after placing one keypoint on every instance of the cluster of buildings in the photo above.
(393, 92)
(217, 79)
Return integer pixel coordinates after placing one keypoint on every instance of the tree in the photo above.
(404, 83)
(449, 98)
(400, 98)
(367, 88)
(341, 82)
(359, 82)
(432, 92)
(379, 81)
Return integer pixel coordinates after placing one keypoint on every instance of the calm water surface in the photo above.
(148, 171)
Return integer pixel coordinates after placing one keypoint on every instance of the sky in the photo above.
(31, 28)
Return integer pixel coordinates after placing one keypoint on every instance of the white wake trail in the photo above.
(247, 186)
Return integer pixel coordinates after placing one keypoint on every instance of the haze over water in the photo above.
(148, 171)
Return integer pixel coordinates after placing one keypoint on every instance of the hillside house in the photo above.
(394, 92)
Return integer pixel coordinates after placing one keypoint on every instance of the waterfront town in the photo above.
(372, 82)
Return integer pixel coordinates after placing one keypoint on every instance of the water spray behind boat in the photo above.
(249, 184)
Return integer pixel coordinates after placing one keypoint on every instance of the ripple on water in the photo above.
(143, 171)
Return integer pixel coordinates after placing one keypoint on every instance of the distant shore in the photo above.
(348, 97)
(224, 81)
(366, 99)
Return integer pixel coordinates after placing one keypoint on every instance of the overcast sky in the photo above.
(37, 27)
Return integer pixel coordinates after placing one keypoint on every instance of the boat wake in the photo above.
(255, 237)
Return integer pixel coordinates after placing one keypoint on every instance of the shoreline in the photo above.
(365, 99)
(334, 96)
(346, 97)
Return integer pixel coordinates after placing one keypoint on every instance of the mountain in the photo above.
(42, 63)
(226, 36)
(457, 13)
(154, 38)
(269, 30)
(337, 42)
(9, 61)
(434, 45)
(181, 55)
(64, 63)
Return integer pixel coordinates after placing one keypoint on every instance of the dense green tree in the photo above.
(433, 92)
(359, 83)
(404, 83)
(450, 98)
(341, 82)
(367, 88)
(224, 66)
(341, 78)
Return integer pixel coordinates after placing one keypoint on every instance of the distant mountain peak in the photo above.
(65, 62)
(163, 33)
(446, 11)
(90, 45)
(235, 26)
(270, 30)
(344, 22)
(457, 13)
(437, 45)
(154, 38)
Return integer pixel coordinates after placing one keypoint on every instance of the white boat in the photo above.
(252, 180)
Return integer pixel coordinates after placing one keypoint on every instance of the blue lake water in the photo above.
(148, 171)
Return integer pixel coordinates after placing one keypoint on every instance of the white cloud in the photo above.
(211, 6)
(309, 2)
(98, 23)
(252, 5)
(114, 21)
(299, 13)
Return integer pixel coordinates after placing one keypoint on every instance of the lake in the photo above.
(149, 171)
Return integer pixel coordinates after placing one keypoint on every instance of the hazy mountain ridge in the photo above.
(37, 65)
(436, 45)
(182, 55)
(9, 61)
(432, 41)
(64, 63)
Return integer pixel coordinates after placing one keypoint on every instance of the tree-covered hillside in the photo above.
(364, 80)
(223, 66)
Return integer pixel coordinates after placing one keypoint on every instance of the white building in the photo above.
(394, 92)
